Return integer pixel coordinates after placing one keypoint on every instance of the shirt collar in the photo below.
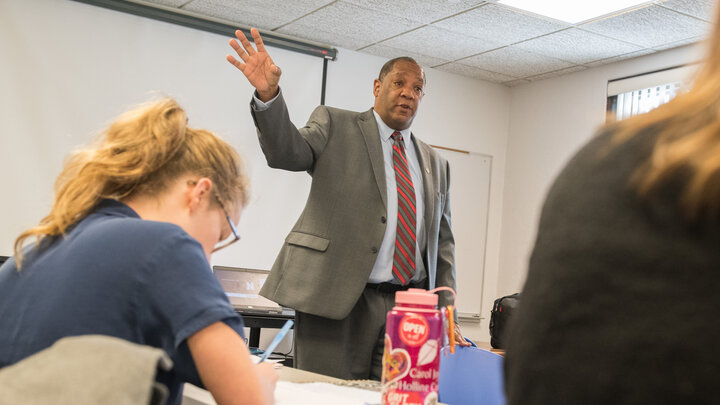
(115, 208)
(386, 132)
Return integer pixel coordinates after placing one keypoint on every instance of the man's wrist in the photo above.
(259, 105)
(269, 94)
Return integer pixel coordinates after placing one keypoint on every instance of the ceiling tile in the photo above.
(697, 8)
(515, 83)
(263, 14)
(679, 43)
(649, 26)
(557, 73)
(390, 52)
(169, 3)
(516, 62)
(499, 24)
(347, 25)
(620, 57)
(424, 11)
(324, 36)
(441, 43)
(470, 71)
(577, 46)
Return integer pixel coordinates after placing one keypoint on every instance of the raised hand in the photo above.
(256, 65)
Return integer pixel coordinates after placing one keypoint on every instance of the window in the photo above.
(641, 93)
(636, 102)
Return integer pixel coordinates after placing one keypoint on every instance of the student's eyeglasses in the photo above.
(233, 228)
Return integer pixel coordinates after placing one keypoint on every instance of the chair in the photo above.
(471, 376)
(89, 369)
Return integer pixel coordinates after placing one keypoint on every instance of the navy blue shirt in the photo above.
(114, 274)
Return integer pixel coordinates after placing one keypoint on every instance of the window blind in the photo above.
(641, 93)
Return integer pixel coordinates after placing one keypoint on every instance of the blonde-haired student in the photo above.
(125, 252)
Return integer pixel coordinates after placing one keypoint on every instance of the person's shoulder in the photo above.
(336, 112)
(609, 149)
(144, 247)
(432, 152)
(423, 145)
(130, 234)
(142, 228)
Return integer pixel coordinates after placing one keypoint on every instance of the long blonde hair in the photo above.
(688, 139)
(139, 154)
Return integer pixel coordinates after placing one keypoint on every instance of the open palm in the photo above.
(257, 65)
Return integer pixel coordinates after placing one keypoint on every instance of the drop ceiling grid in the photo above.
(474, 38)
(577, 46)
(268, 14)
(701, 9)
(343, 19)
(649, 26)
(434, 41)
(422, 11)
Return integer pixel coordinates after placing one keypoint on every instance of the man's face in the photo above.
(398, 95)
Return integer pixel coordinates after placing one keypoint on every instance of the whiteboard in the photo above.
(469, 204)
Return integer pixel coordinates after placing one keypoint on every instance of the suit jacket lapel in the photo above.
(428, 183)
(369, 129)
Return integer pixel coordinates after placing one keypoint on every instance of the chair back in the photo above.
(88, 369)
(471, 376)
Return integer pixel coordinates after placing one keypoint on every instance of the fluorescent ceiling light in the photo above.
(572, 11)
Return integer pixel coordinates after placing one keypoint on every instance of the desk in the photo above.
(326, 395)
(487, 346)
(256, 322)
(193, 395)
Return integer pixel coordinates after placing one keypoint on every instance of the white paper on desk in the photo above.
(256, 360)
(287, 393)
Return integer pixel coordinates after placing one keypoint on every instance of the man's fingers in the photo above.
(258, 40)
(245, 43)
(240, 36)
(235, 62)
(239, 50)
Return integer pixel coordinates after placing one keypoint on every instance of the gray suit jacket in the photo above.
(327, 258)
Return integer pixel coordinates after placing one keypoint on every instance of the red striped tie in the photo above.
(404, 258)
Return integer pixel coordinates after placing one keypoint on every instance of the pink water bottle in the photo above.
(413, 337)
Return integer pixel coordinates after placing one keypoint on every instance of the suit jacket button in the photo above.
(383, 219)
(373, 249)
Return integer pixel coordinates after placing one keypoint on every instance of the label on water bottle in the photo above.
(413, 330)
(411, 360)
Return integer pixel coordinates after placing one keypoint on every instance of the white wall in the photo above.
(549, 121)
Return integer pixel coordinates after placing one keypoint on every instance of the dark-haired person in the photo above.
(125, 252)
(377, 219)
(621, 301)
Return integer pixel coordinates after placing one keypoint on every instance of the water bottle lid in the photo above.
(416, 296)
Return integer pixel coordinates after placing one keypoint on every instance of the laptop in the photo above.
(242, 287)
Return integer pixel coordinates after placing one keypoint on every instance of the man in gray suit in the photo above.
(377, 219)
